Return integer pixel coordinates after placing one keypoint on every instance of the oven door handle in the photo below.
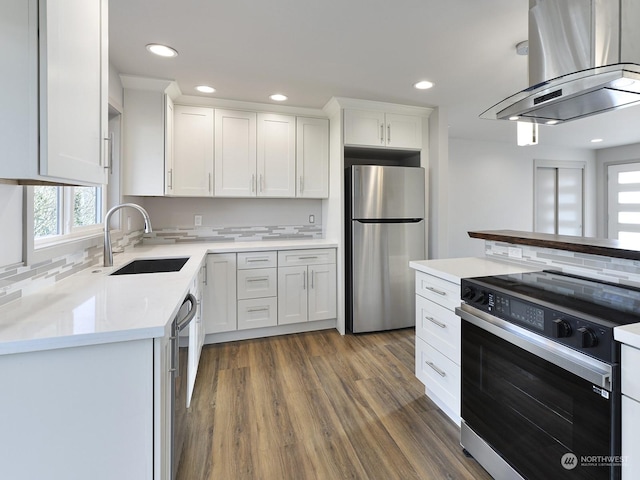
(587, 368)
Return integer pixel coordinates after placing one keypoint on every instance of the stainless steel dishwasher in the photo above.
(179, 360)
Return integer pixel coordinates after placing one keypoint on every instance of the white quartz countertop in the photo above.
(453, 269)
(628, 334)
(92, 307)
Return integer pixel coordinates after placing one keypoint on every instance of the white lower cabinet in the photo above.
(220, 302)
(196, 334)
(438, 341)
(306, 287)
(630, 413)
(248, 290)
(100, 412)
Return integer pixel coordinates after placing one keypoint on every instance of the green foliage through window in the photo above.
(52, 207)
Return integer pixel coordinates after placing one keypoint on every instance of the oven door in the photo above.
(546, 410)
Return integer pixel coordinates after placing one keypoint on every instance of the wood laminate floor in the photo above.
(318, 406)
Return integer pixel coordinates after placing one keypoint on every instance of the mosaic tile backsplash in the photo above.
(616, 270)
(18, 280)
(232, 234)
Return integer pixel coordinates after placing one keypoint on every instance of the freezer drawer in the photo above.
(383, 286)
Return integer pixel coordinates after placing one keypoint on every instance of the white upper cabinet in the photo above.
(312, 157)
(54, 95)
(403, 131)
(364, 127)
(379, 129)
(191, 174)
(147, 136)
(276, 155)
(235, 153)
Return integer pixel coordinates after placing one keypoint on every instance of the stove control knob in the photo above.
(561, 328)
(468, 293)
(481, 297)
(588, 338)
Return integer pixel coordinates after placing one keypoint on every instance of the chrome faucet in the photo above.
(108, 253)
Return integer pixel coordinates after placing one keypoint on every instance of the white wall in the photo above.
(231, 212)
(11, 221)
(491, 188)
(604, 157)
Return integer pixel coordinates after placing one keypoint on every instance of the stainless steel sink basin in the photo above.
(152, 265)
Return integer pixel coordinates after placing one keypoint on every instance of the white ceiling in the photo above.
(369, 49)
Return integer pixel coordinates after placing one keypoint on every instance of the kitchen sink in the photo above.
(152, 265)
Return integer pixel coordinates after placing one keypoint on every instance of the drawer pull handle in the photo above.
(433, 320)
(249, 260)
(435, 290)
(261, 279)
(437, 370)
(261, 309)
(311, 257)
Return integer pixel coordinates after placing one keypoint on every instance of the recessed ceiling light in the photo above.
(278, 97)
(162, 50)
(596, 140)
(515, 117)
(205, 89)
(423, 85)
(552, 122)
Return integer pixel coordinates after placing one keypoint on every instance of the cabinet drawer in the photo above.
(247, 260)
(438, 290)
(630, 378)
(290, 258)
(257, 283)
(257, 313)
(439, 327)
(439, 374)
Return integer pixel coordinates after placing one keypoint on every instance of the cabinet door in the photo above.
(276, 155)
(322, 292)
(143, 167)
(219, 302)
(630, 440)
(312, 157)
(169, 114)
(292, 295)
(403, 131)
(235, 153)
(363, 127)
(73, 89)
(193, 151)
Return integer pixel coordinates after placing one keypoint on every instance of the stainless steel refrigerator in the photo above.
(385, 230)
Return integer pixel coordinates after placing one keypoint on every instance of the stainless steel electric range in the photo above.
(541, 374)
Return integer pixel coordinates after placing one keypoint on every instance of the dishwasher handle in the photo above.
(183, 323)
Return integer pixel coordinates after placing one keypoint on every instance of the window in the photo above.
(623, 185)
(61, 212)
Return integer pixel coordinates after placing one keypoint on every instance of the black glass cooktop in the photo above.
(614, 303)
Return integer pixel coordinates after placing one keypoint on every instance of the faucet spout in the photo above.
(108, 252)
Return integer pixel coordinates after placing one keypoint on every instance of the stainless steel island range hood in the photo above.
(584, 59)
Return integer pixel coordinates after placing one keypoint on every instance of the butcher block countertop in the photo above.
(589, 245)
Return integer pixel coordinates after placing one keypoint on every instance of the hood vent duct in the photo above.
(584, 59)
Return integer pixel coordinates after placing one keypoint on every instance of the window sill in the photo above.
(64, 246)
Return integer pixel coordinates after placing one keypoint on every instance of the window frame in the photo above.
(46, 248)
